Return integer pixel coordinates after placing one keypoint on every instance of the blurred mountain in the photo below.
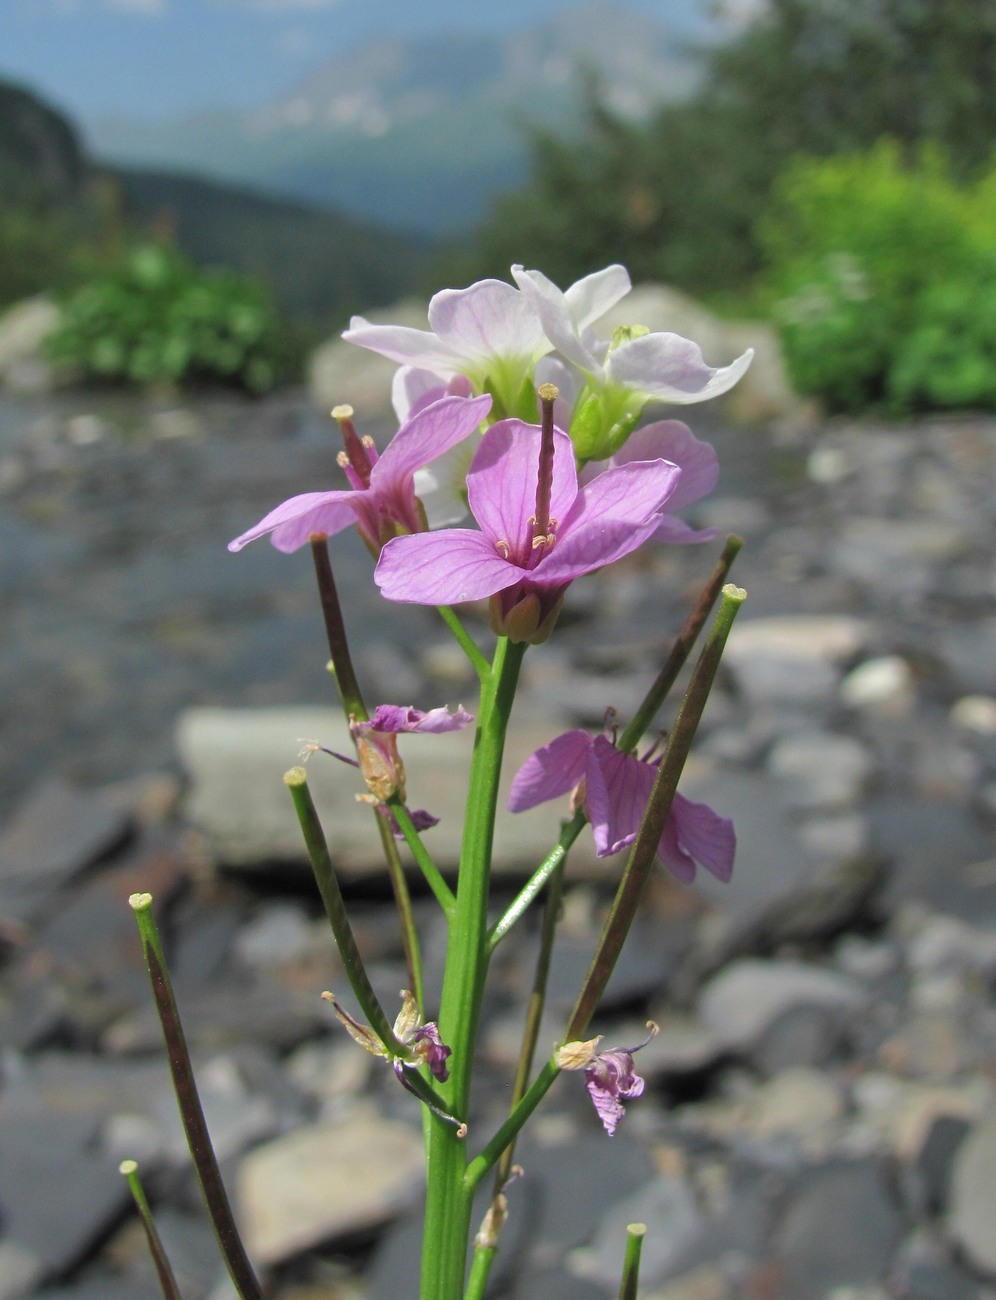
(419, 132)
(63, 216)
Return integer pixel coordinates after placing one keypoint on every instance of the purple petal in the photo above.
(671, 369)
(429, 433)
(676, 532)
(401, 343)
(431, 1048)
(501, 484)
(695, 834)
(613, 515)
(617, 787)
(400, 717)
(674, 441)
(610, 1078)
(444, 568)
(292, 522)
(412, 389)
(487, 319)
(550, 771)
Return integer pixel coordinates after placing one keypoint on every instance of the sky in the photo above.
(154, 58)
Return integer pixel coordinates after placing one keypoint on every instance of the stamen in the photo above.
(356, 447)
(503, 548)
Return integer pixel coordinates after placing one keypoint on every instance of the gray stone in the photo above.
(23, 331)
(820, 771)
(743, 1001)
(895, 557)
(842, 1203)
(326, 1181)
(970, 1219)
(793, 660)
(669, 1209)
(884, 687)
(341, 373)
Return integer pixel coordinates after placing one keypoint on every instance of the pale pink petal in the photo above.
(550, 771)
(487, 319)
(407, 346)
(671, 369)
(429, 433)
(400, 717)
(443, 568)
(412, 389)
(600, 542)
(501, 485)
(674, 441)
(292, 522)
(553, 310)
(591, 297)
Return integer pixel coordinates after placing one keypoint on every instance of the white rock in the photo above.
(884, 687)
(340, 373)
(793, 659)
(23, 330)
(821, 770)
(970, 1220)
(327, 1181)
(975, 713)
(747, 996)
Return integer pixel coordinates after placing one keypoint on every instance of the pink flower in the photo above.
(613, 788)
(539, 530)
(381, 500)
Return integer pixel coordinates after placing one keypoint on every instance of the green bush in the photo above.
(874, 268)
(159, 319)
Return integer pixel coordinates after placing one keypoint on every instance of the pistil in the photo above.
(355, 455)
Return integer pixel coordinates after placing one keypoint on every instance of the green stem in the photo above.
(448, 1201)
(328, 886)
(353, 707)
(164, 1270)
(569, 831)
(403, 902)
(465, 641)
(508, 1132)
(191, 1113)
(432, 874)
(635, 1232)
(682, 648)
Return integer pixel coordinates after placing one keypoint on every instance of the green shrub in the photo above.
(159, 319)
(874, 269)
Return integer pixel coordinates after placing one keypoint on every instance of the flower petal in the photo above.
(671, 369)
(694, 833)
(402, 343)
(412, 389)
(554, 311)
(617, 788)
(501, 484)
(487, 319)
(429, 433)
(443, 568)
(550, 771)
(293, 521)
(400, 717)
(674, 441)
(613, 516)
(591, 297)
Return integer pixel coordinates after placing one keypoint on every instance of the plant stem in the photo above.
(448, 1200)
(433, 877)
(164, 1270)
(328, 886)
(198, 1139)
(635, 1232)
(466, 641)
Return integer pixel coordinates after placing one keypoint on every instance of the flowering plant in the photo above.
(513, 408)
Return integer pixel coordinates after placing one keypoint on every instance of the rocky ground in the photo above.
(820, 1117)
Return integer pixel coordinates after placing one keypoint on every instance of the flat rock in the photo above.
(973, 1176)
(236, 758)
(744, 1000)
(326, 1181)
(793, 659)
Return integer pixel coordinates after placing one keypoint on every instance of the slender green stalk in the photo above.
(208, 1174)
(433, 877)
(328, 886)
(538, 1089)
(354, 708)
(641, 858)
(682, 648)
(569, 831)
(164, 1270)
(403, 902)
(635, 1232)
(448, 1203)
(467, 643)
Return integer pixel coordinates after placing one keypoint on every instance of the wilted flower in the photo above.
(381, 501)
(609, 1076)
(526, 554)
(614, 788)
(425, 1047)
